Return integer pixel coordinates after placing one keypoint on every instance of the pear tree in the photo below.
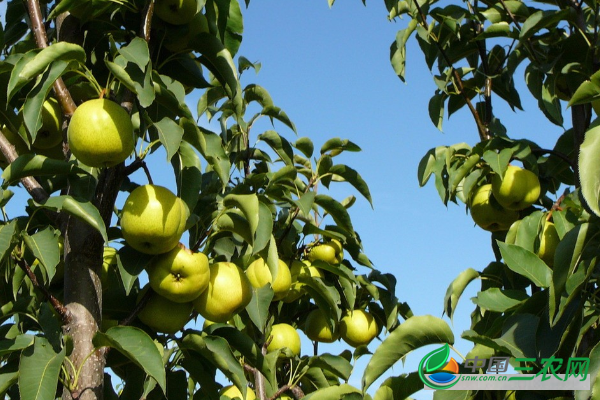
(538, 295)
(238, 186)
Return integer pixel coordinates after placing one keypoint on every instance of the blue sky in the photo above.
(329, 70)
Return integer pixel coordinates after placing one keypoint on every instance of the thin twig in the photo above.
(558, 154)
(138, 307)
(65, 314)
(280, 391)
(147, 171)
(297, 392)
(134, 166)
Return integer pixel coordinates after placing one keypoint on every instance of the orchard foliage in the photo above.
(479, 52)
(70, 285)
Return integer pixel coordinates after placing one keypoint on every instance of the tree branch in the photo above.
(32, 186)
(558, 154)
(64, 313)
(297, 392)
(39, 31)
(280, 391)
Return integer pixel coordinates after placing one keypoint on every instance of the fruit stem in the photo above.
(139, 306)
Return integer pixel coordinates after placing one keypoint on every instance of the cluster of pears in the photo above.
(495, 206)
(153, 220)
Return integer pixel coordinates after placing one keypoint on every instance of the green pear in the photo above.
(328, 252)
(229, 292)
(548, 242)
(284, 336)
(100, 133)
(358, 328)
(153, 219)
(299, 270)
(176, 12)
(179, 275)
(517, 190)
(259, 275)
(488, 214)
(50, 134)
(164, 315)
(317, 327)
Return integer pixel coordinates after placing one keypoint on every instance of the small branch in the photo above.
(138, 307)
(484, 133)
(134, 166)
(65, 314)
(41, 39)
(280, 391)
(518, 25)
(557, 203)
(297, 392)
(147, 21)
(558, 154)
(32, 186)
(249, 368)
(147, 171)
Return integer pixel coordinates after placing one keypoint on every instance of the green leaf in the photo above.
(305, 202)
(32, 109)
(248, 348)
(338, 365)
(234, 221)
(353, 177)
(589, 169)
(456, 289)
(587, 92)
(544, 19)
(264, 231)
(399, 387)
(85, 211)
(332, 392)
(136, 345)
(170, 135)
(526, 263)
(305, 145)
(337, 211)
(39, 370)
(498, 161)
(217, 351)
(7, 232)
(497, 300)
(19, 343)
(136, 52)
(131, 263)
(188, 174)
(415, 332)
(7, 379)
(436, 109)
(339, 145)
(248, 204)
(219, 61)
(44, 246)
(37, 165)
(277, 113)
(31, 66)
(258, 308)
(281, 146)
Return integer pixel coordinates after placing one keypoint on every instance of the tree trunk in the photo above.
(83, 298)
